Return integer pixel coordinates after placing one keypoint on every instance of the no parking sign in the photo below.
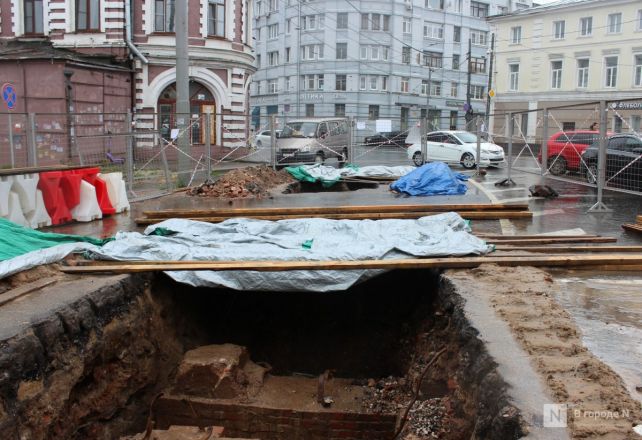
(9, 95)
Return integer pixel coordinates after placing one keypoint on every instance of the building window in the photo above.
(273, 86)
(274, 5)
(33, 16)
(434, 30)
(457, 34)
(559, 29)
(363, 52)
(273, 30)
(405, 85)
(610, 64)
(288, 83)
(556, 74)
(258, 61)
(435, 4)
(384, 83)
(478, 65)
(454, 89)
(312, 52)
(456, 62)
(433, 59)
(638, 70)
(288, 55)
(407, 25)
(309, 110)
(502, 10)
(639, 20)
(374, 80)
(375, 22)
(373, 112)
(458, 6)
(479, 38)
(582, 73)
(478, 9)
(365, 19)
(424, 86)
(513, 77)
(273, 58)
(435, 88)
(342, 51)
(374, 52)
(313, 82)
(405, 55)
(385, 53)
(340, 83)
(339, 110)
(586, 26)
(288, 26)
(363, 82)
(477, 92)
(164, 16)
(88, 15)
(516, 35)
(313, 22)
(614, 23)
(342, 20)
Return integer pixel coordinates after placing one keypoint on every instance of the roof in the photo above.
(560, 4)
(43, 49)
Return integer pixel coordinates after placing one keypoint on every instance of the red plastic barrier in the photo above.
(90, 175)
(70, 184)
(54, 197)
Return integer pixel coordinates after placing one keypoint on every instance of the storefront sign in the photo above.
(626, 105)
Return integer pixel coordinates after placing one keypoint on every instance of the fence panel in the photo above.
(13, 140)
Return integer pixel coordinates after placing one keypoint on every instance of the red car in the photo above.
(565, 149)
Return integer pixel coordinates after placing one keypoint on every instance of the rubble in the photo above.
(250, 182)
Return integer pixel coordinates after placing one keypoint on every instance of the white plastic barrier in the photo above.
(5, 188)
(39, 217)
(15, 210)
(116, 190)
(88, 208)
(25, 186)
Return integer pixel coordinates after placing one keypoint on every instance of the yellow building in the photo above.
(568, 52)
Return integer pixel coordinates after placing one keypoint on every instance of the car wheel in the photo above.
(417, 159)
(557, 165)
(591, 173)
(319, 158)
(468, 161)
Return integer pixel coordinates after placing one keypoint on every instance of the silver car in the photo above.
(313, 141)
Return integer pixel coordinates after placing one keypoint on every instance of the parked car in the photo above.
(264, 138)
(623, 161)
(313, 141)
(565, 149)
(394, 138)
(457, 147)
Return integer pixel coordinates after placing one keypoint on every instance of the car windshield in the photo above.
(466, 137)
(299, 130)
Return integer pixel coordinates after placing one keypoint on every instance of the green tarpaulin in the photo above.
(17, 240)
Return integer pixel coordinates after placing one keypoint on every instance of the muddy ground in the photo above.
(523, 298)
(251, 182)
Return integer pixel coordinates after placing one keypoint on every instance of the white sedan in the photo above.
(263, 138)
(456, 147)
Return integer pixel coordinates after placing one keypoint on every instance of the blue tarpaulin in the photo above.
(431, 179)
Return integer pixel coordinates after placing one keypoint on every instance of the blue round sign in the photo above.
(9, 95)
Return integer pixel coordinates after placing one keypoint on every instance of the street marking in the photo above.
(506, 225)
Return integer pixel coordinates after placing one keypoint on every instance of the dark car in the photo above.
(623, 161)
(565, 149)
(395, 138)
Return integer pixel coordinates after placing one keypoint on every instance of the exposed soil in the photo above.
(29, 276)
(251, 182)
(522, 296)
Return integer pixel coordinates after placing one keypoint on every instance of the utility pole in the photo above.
(428, 98)
(490, 81)
(182, 86)
(469, 109)
(298, 64)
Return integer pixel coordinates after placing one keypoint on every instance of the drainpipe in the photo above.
(129, 23)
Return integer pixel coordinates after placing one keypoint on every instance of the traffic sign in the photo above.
(491, 93)
(9, 95)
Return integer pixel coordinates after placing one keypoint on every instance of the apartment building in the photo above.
(111, 56)
(569, 52)
(396, 59)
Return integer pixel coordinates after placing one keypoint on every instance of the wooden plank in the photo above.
(525, 237)
(540, 241)
(410, 263)
(473, 215)
(638, 219)
(239, 212)
(612, 268)
(631, 227)
(13, 294)
(564, 249)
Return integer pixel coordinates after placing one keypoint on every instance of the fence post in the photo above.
(273, 141)
(601, 163)
(544, 164)
(423, 128)
(33, 153)
(478, 156)
(508, 181)
(350, 158)
(11, 152)
(208, 145)
(130, 152)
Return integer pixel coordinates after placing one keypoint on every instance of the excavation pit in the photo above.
(92, 368)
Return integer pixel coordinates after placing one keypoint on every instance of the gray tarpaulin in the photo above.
(302, 239)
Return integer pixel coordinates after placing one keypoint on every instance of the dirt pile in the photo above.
(251, 182)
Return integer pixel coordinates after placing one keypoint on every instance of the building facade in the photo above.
(569, 52)
(373, 59)
(115, 56)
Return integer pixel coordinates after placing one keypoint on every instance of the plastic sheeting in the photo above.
(41, 256)
(300, 240)
(328, 176)
(431, 179)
